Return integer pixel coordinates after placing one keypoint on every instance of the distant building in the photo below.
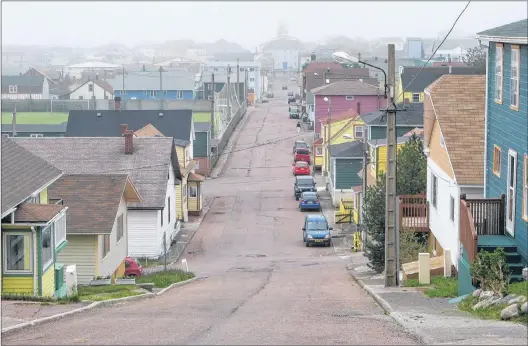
(25, 87)
(285, 51)
(255, 77)
(205, 91)
(414, 48)
(98, 90)
(76, 71)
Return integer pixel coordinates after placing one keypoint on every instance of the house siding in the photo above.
(48, 281)
(140, 95)
(196, 202)
(340, 105)
(508, 129)
(380, 132)
(81, 251)
(143, 228)
(17, 284)
(338, 127)
(347, 173)
(168, 227)
(118, 248)
(441, 157)
(201, 144)
(85, 93)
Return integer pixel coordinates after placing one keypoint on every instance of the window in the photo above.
(452, 208)
(193, 191)
(36, 135)
(34, 199)
(215, 69)
(318, 151)
(252, 79)
(442, 142)
(13, 89)
(317, 135)
(80, 97)
(151, 93)
(349, 98)
(106, 245)
(179, 94)
(497, 160)
(168, 209)
(17, 252)
(90, 87)
(415, 97)
(165, 92)
(514, 77)
(525, 188)
(251, 69)
(120, 228)
(47, 246)
(358, 132)
(434, 190)
(499, 54)
(60, 230)
(209, 87)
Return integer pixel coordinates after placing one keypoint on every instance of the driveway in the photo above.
(263, 287)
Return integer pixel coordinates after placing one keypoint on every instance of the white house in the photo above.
(25, 87)
(453, 143)
(254, 73)
(94, 66)
(285, 51)
(97, 89)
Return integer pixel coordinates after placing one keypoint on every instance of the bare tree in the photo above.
(475, 57)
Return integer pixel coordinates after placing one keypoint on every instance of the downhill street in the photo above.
(263, 285)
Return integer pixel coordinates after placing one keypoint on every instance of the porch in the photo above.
(413, 213)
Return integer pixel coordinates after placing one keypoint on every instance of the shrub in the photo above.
(491, 271)
(411, 244)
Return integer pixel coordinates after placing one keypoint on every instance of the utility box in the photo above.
(71, 280)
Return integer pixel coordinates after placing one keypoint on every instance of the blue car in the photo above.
(316, 231)
(309, 201)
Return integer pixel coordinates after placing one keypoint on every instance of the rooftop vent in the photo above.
(98, 114)
(160, 114)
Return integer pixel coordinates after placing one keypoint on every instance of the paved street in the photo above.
(263, 285)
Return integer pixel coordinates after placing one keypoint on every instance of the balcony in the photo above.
(414, 213)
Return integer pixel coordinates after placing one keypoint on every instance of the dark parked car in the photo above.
(310, 201)
(316, 231)
(290, 93)
(284, 87)
(303, 183)
(299, 145)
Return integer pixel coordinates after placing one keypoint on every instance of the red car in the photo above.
(132, 268)
(302, 155)
(301, 168)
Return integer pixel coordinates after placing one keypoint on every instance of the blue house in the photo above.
(168, 85)
(501, 218)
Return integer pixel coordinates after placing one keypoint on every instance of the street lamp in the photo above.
(343, 57)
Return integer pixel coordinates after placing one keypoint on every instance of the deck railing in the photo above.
(468, 234)
(414, 212)
(488, 214)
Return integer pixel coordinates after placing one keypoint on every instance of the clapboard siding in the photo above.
(142, 233)
(81, 251)
(347, 173)
(48, 282)
(380, 132)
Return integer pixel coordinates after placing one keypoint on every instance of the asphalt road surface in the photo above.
(263, 285)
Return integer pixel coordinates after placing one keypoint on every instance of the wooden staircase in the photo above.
(513, 258)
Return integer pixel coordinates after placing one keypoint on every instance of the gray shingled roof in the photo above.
(347, 87)
(35, 128)
(23, 174)
(517, 29)
(202, 127)
(429, 74)
(411, 116)
(147, 166)
(178, 80)
(347, 149)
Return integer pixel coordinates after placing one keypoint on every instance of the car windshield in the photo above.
(317, 226)
(302, 164)
(309, 196)
(302, 151)
(301, 145)
(304, 182)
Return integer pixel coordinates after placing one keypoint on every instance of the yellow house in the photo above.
(33, 230)
(333, 131)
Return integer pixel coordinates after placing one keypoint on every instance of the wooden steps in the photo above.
(410, 270)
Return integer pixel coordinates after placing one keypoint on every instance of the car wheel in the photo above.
(296, 198)
(307, 244)
(132, 275)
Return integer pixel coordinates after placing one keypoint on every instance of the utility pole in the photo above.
(364, 187)
(161, 79)
(228, 92)
(212, 106)
(391, 227)
(246, 86)
(238, 79)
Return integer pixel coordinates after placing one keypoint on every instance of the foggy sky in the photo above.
(84, 24)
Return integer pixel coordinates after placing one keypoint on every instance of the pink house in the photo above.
(344, 95)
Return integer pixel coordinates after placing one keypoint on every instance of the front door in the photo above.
(510, 193)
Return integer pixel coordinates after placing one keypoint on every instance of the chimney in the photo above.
(117, 103)
(312, 57)
(129, 148)
(124, 128)
(14, 124)
(358, 108)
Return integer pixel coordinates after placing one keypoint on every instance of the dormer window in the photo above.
(13, 89)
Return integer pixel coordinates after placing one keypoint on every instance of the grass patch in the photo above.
(106, 292)
(39, 299)
(165, 279)
(440, 287)
(36, 118)
(518, 288)
(489, 313)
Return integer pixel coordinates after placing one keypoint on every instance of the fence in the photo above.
(413, 212)
(488, 215)
(70, 105)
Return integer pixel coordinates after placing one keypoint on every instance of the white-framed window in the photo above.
(215, 69)
(415, 97)
(120, 228)
(90, 87)
(13, 89)
(193, 191)
(451, 208)
(152, 93)
(60, 230)
(80, 97)
(499, 55)
(318, 151)
(358, 131)
(106, 244)
(349, 98)
(434, 190)
(17, 254)
(36, 135)
(47, 246)
(514, 77)
(317, 135)
(251, 69)
(179, 94)
(442, 142)
(252, 79)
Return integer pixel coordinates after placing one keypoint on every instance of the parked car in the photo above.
(310, 201)
(284, 87)
(265, 100)
(299, 145)
(303, 183)
(290, 93)
(132, 268)
(301, 168)
(301, 155)
(270, 95)
(316, 230)
(293, 79)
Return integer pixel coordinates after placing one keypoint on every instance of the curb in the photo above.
(94, 305)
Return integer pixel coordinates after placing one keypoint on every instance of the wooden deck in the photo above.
(414, 213)
(416, 223)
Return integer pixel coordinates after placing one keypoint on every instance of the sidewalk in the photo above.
(433, 320)
(16, 312)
